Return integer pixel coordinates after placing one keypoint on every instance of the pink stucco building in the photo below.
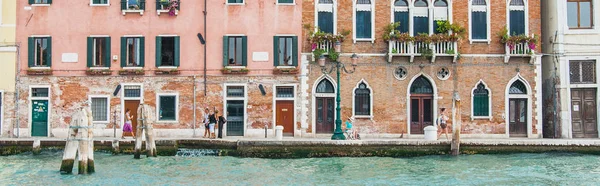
(118, 54)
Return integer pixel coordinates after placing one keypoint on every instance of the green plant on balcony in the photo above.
(426, 53)
(333, 55)
(228, 70)
(391, 33)
(98, 72)
(446, 26)
(318, 36)
(318, 53)
(512, 40)
(423, 38)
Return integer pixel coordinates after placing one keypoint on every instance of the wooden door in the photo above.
(39, 118)
(284, 116)
(132, 105)
(325, 115)
(583, 113)
(517, 112)
(421, 113)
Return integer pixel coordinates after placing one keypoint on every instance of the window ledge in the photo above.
(100, 122)
(167, 67)
(235, 4)
(168, 121)
(132, 68)
(286, 4)
(40, 4)
(166, 11)
(364, 40)
(362, 117)
(133, 11)
(39, 68)
(481, 118)
(285, 67)
(480, 41)
(235, 66)
(100, 5)
(99, 68)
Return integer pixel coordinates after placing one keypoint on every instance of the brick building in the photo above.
(404, 80)
(118, 54)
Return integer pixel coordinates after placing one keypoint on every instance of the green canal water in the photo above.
(514, 169)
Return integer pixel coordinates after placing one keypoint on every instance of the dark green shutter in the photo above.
(142, 4)
(177, 51)
(275, 50)
(479, 25)
(49, 52)
(123, 51)
(244, 50)
(225, 50)
(90, 52)
(31, 2)
(421, 25)
(295, 50)
(517, 22)
(49, 1)
(402, 17)
(107, 53)
(158, 51)
(326, 22)
(363, 24)
(142, 51)
(123, 4)
(30, 51)
(481, 105)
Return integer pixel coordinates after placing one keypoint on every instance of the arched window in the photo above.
(440, 13)
(440, 3)
(481, 101)
(401, 15)
(421, 86)
(364, 20)
(518, 87)
(362, 100)
(325, 86)
(517, 17)
(479, 20)
(421, 18)
(325, 16)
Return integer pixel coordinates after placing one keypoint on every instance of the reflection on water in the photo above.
(520, 169)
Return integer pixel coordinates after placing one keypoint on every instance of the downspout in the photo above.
(205, 43)
(194, 125)
(18, 66)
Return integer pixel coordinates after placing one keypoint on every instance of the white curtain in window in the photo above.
(421, 12)
(440, 13)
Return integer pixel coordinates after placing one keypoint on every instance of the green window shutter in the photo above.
(142, 51)
(30, 51)
(49, 1)
(142, 4)
(295, 50)
(158, 51)
(31, 2)
(107, 53)
(123, 4)
(276, 51)
(480, 105)
(49, 56)
(177, 51)
(225, 50)
(123, 51)
(244, 50)
(90, 52)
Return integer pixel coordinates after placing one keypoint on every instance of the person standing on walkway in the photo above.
(127, 128)
(212, 120)
(221, 121)
(206, 132)
(441, 121)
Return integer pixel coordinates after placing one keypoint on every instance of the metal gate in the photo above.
(235, 118)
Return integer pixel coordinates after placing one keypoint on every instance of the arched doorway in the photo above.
(324, 107)
(421, 105)
(518, 109)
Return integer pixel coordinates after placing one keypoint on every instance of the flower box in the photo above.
(131, 72)
(235, 71)
(98, 72)
(167, 72)
(39, 72)
(285, 71)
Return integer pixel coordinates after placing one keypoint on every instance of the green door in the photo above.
(39, 118)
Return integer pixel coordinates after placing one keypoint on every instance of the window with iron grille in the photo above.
(481, 101)
(362, 100)
(285, 92)
(100, 109)
(235, 91)
(132, 91)
(167, 108)
(582, 72)
(39, 92)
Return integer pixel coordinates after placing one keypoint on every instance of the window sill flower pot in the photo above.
(131, 72)
(167, 72)
(97, 72)
(285, 71)
(39, 72)
(235, 71)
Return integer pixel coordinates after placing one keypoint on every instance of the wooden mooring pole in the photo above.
(144, 127)
(79, 143)
(456, 116)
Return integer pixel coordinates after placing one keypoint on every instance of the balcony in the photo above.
(170, 7)
(133, 6)
(519, 50)
(415, 48)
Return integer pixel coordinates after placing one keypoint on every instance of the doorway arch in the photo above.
(323, 105)
(518, 107)
(421, 103)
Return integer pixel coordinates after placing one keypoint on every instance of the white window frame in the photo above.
(236, 35)
(509, 8)
(138, 53)
(489, 116)
(334, 15)
(399, 9)
(315, 95)
(123, 98)
(168, 67)
(158, 95)
(430, 14)
(107, 97)
(226, 98)
(132, 11)
(92, 3)
(370, 116)
(31, 99)
(527, 96)
(354, 10)
(564, 19)
(275, 99)
(235, 4)
(487, 9)
(286, 4)
(94, 51)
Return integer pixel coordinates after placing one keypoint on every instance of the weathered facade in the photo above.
(499, 86)
(118, 54)
(8, 62)
(570, 69)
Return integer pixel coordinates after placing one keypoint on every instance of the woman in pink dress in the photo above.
(127, 127)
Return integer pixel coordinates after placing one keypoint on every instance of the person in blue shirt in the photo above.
(351, 133)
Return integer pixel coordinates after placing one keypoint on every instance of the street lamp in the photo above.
(338, 134)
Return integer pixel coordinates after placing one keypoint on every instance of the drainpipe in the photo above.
(18, 66)
(205, 43)
(194, 125)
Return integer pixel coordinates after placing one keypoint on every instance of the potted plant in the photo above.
(132, 72)
(167, 72)
(39, 72)
(228, 70)
(95, 72)
(513, 40)
(285, 71)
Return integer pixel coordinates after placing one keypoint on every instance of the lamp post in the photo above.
(338, 134)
